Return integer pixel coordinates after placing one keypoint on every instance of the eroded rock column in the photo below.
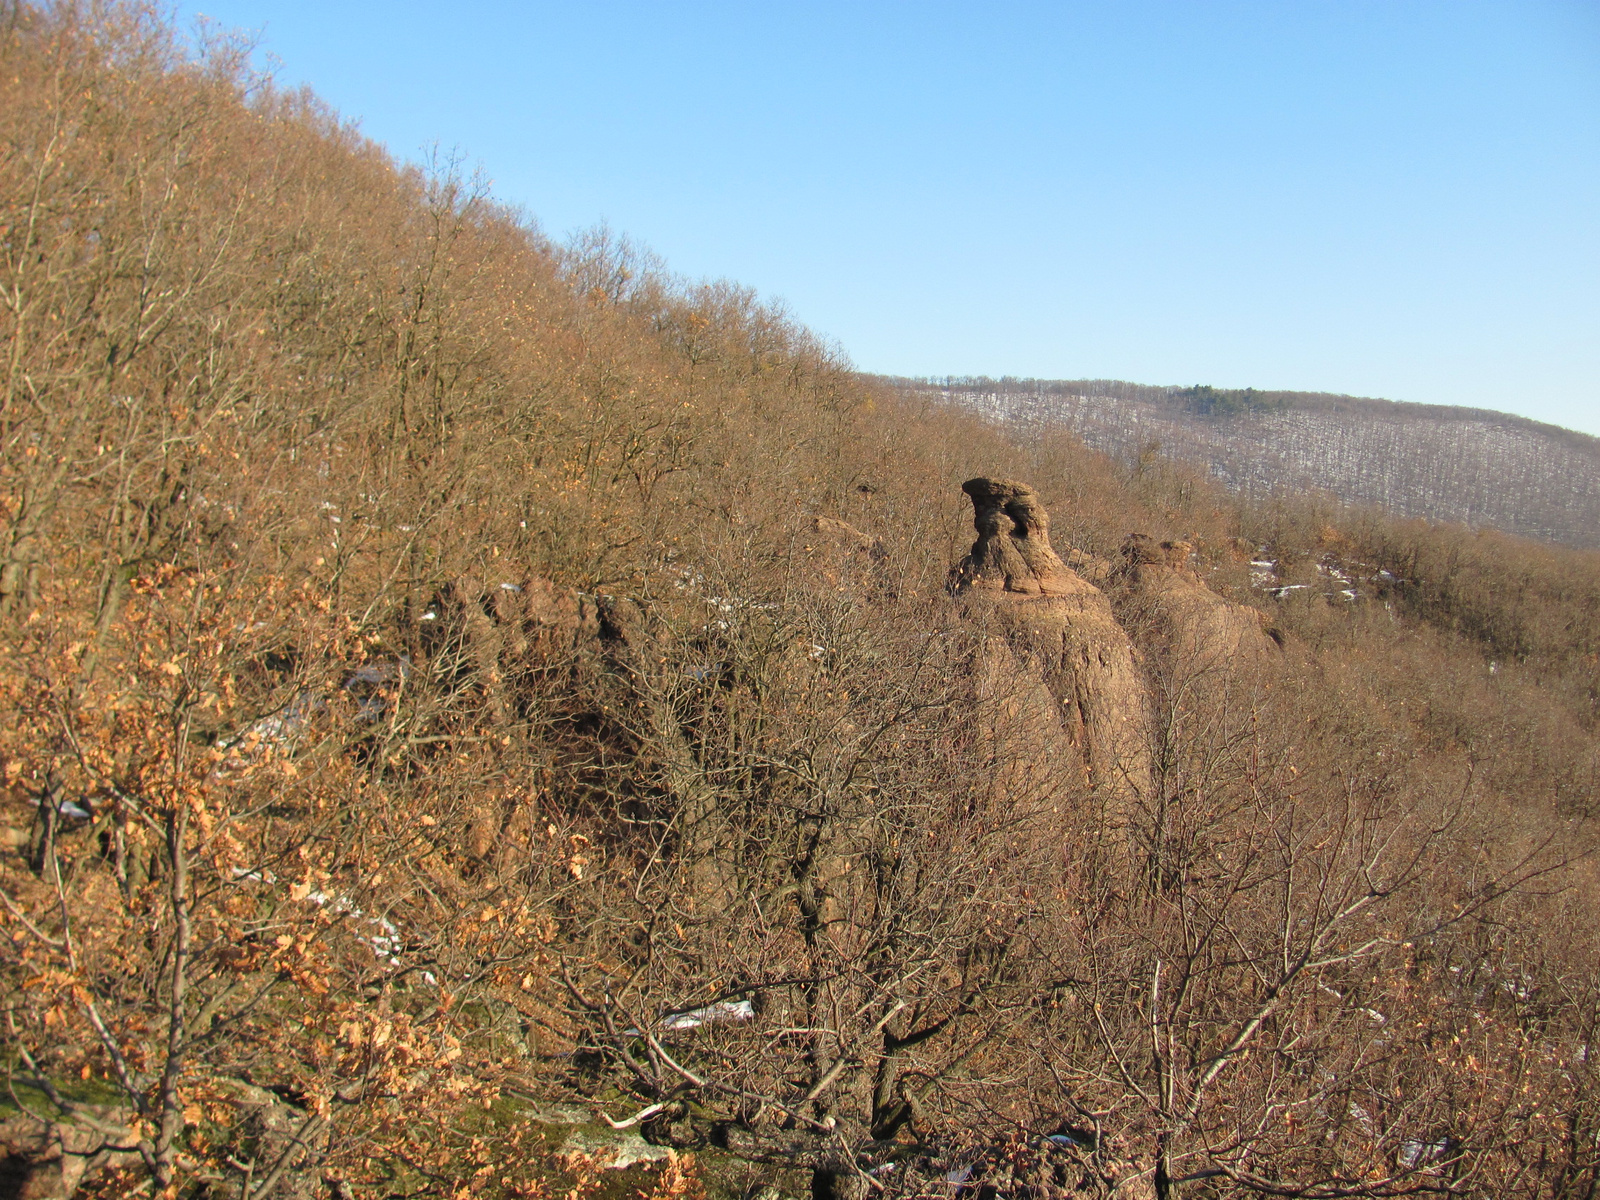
(1055, 637)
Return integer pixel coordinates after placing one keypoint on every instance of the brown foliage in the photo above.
(442, 665)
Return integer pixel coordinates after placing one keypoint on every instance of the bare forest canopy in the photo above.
(462, 694)
(1465, 466)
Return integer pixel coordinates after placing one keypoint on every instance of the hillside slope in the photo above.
(476, 710)
(1461, 465)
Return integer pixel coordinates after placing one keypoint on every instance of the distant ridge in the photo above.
(1470, 466)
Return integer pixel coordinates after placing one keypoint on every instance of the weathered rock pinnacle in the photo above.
(1055, 629)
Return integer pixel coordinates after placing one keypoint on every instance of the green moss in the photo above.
(512, 1126)
(101, 1093)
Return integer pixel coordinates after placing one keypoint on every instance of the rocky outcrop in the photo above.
(610, 1150)
(512, 619)
(1192, 622)
(492, 633)
(846, 537)
(288, 1143)
(46, 1159)
(847, 558)
(1059, 663)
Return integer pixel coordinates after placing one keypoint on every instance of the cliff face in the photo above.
(1056, 638)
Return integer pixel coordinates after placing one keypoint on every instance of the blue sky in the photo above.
(1396, 198)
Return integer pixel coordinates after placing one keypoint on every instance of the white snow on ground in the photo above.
(1471, 470)
(712, 1014)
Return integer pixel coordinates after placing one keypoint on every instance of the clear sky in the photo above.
(1393, 198)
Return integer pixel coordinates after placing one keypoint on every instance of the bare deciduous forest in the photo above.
(1444, 464)
(477, 710)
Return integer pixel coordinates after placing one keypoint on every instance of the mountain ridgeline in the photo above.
(1461, 465)
(482, 716)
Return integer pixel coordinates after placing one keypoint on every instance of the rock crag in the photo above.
(1055, 637)
(1192, 621)
(848, 558)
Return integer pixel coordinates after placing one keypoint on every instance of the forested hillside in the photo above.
(1460, 465)
(479, 713)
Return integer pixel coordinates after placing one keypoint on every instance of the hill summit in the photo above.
(1468, 466)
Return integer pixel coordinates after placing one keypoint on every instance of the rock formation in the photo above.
(1056, 636)
(1190, 620)
(848, 558)
(492, 633)
(46, 1158)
